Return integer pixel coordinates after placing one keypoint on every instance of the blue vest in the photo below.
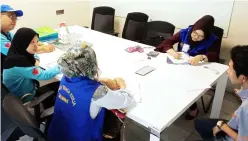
(201, 48)
(71, 120)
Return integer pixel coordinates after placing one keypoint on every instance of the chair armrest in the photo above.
(47, 112)
(213, 57)
(41, 98)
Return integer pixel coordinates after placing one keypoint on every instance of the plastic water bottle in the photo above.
(63, 33)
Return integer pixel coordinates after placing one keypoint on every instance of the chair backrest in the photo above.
(5, 121)
(159, 28)
(135, 26)
(158, 31)
(219, 33)
(103, 19)
(14, 108)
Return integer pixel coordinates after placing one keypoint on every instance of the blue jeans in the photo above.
(205, 128)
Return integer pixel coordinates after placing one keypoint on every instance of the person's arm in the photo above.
(229, 131)
(167, 45)
(109, 99)
(46, 48)
(36, 72)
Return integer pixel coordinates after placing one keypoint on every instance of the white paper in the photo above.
(184, 58)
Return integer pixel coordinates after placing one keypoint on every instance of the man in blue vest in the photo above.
(8, 23)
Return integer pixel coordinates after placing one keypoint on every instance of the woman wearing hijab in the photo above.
(82, 97)
(194, 41)
(20, 67)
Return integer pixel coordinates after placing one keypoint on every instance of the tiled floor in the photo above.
(182, 130)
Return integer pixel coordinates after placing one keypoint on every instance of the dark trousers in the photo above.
(193, 107)
(205, 128)
(112, 126)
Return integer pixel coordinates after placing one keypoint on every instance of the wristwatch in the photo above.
(220, 124)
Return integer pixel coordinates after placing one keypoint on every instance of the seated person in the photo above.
(194, 41)
(237, 128)
(8, 23)
(82, 98)
(21, 68)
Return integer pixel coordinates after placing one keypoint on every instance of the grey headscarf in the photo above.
(79, 61)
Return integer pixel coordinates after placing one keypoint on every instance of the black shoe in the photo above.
(190, 117)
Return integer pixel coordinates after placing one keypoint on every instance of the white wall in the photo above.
(181, 13)
(39, 13)
(238, 30)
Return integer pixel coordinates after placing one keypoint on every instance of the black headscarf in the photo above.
(17, 55)
(206, 24)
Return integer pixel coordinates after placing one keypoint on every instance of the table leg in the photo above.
(154, 138)
(154, 135)
(219, 96)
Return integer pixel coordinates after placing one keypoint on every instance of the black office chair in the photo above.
(103, 20)
(214, 50)
(157, 32)
(26, 121)
(135, 27)
(9, 130)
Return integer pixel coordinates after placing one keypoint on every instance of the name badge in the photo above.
(185, 48)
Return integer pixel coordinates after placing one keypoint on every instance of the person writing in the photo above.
(20, 68)
(194, 41)
(83, 98)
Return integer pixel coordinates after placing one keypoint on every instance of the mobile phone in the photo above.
(145, 70)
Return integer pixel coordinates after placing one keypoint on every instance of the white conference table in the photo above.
(166, 93)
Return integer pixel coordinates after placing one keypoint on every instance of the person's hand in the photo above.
(216, 130)
(111, 84)
(176, 55)
(37, 63)
(47, 48)
(120, 82)
(173, 53)
(195, 60)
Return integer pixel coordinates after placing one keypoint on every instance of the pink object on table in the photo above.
(134, 49)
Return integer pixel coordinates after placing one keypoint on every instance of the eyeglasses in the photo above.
(197, 35)
(11, 15)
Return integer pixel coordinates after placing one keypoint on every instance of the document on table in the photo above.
(184, 58)
(50, 59)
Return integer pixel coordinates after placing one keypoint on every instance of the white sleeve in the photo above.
(109, 99)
